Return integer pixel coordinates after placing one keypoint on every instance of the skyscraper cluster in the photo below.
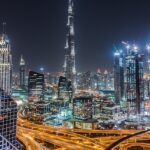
(129, 79)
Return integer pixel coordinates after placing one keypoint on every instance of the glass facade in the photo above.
(35, 85)
(8, 118)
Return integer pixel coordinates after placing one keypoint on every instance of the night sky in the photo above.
(37, 30)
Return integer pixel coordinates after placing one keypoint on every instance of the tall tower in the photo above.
(134, 81)
(119, 76)
(5, 63)
(148, 69)
(22, 72)
(69, 63)
(148, 50)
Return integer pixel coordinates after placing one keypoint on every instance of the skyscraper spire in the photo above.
(22, 71)
(69, 63)
(4, 28)
(22, 62)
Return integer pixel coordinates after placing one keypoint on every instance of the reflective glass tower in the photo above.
(69, 63)
(119, 76)
(35, 85)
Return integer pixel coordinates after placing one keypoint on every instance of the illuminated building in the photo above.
(8, 118)
(60, 112)
(5, 64)
(97, 80)
(147, 107)
(39, 111)
(83, 113)
(84, 80)
(119, 76)
(110, 112)
(64, 89)
(19, 95)
(134, 85)
(105, 79)
(147, 83)
(22, 72)
(82, 108)
(35, 85)
(15, 80)
(69, 63)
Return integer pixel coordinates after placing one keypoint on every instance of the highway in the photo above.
(118, 142)
(58, 136)
(73, 139)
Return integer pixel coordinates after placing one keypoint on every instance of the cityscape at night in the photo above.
(75, 75)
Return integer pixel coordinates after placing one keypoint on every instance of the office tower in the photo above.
(5, 64)
(82, 108)
(22, 72)
(148, 69)
(8, 118)
(35, 86)
(69, 63)
(119, 76)
(134, 81)
(64, 89)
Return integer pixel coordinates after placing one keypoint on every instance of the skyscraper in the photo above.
(134, 85)
(119, 76)
(69, 63)
(5, 64)
(22, 72)
(35, 85)
(148, 69)
(8, 119)
(64, 89)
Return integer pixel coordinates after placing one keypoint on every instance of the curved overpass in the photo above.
(120, 141)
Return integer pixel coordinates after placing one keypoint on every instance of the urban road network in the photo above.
(38, 137)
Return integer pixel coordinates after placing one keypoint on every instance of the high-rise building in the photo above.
(134, 85)
(119, 76)
(8, 118)
(82, 108)
(5, 64)
(64, 89)
(22, 71)
(35, 85)
(147, 83)
(84, 80)
(69, 63)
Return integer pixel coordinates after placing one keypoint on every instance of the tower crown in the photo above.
(22, 62)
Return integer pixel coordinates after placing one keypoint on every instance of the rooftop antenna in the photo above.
(4, 28)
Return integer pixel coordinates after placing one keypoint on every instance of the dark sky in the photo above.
(37, 30)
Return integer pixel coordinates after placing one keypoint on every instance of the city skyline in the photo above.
(102, 24)
(75, 75)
